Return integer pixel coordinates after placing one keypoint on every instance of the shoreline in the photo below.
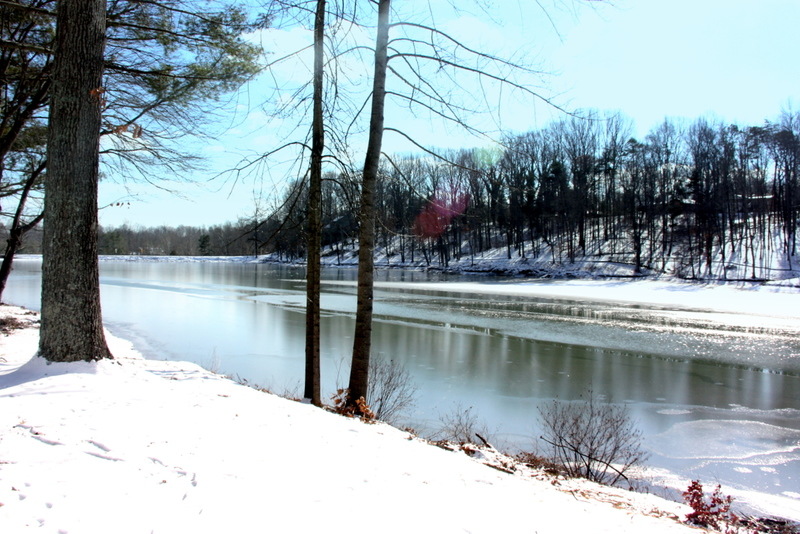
(513, 269)
(157, 445)
(669, 288)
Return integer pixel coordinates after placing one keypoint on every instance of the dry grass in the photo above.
(10, 323)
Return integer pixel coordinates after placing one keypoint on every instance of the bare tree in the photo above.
(324, 98)
(410, 58)
(362, 339)
(314, 210)
(414, 54)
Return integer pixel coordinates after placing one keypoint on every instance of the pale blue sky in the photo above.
(730, 59)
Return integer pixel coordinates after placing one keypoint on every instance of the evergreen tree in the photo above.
(167, 65)
(72, 326)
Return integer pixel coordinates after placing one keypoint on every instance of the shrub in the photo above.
(390, 393)
(461, 426)
(391, 390)
(10, 323)
(536, 461)
(591, 439)
(714, 512)
(361, 408)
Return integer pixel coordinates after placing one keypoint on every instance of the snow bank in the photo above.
(777, 301)
(134, 445)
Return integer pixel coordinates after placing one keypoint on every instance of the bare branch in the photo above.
(483, 74)
(12, 45)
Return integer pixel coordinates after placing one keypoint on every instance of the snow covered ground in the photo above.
(135, 446)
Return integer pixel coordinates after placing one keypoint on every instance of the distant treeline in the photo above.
(683, 198)
(229, 239)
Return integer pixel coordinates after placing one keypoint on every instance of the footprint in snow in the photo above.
(99, 445)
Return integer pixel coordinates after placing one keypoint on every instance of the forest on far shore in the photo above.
(701, 200)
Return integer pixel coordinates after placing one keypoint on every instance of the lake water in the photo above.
(716, 396)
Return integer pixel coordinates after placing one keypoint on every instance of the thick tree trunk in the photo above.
(314, 240)
(72, 327)
(362, 342)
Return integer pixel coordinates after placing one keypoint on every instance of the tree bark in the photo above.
(362, 341)
(72, 327)
(314, 238)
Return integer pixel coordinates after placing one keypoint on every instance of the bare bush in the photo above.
(537, 461)
(461, 425)
(592, 439)
(391, 390)
(10, 323)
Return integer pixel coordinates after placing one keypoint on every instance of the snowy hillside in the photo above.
(603, 259)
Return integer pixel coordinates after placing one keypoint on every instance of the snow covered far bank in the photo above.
(134, 445)
(773, 299)
(731, 297)
(514, 271)
(496, 262)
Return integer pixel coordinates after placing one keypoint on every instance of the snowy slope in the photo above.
(135, 446)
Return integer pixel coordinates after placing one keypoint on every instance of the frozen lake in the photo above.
(715, 389)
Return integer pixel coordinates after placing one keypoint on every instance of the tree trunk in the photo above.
(314, 239)
(72, 326)
(15, 235)
(362, 342)
(18, 229)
